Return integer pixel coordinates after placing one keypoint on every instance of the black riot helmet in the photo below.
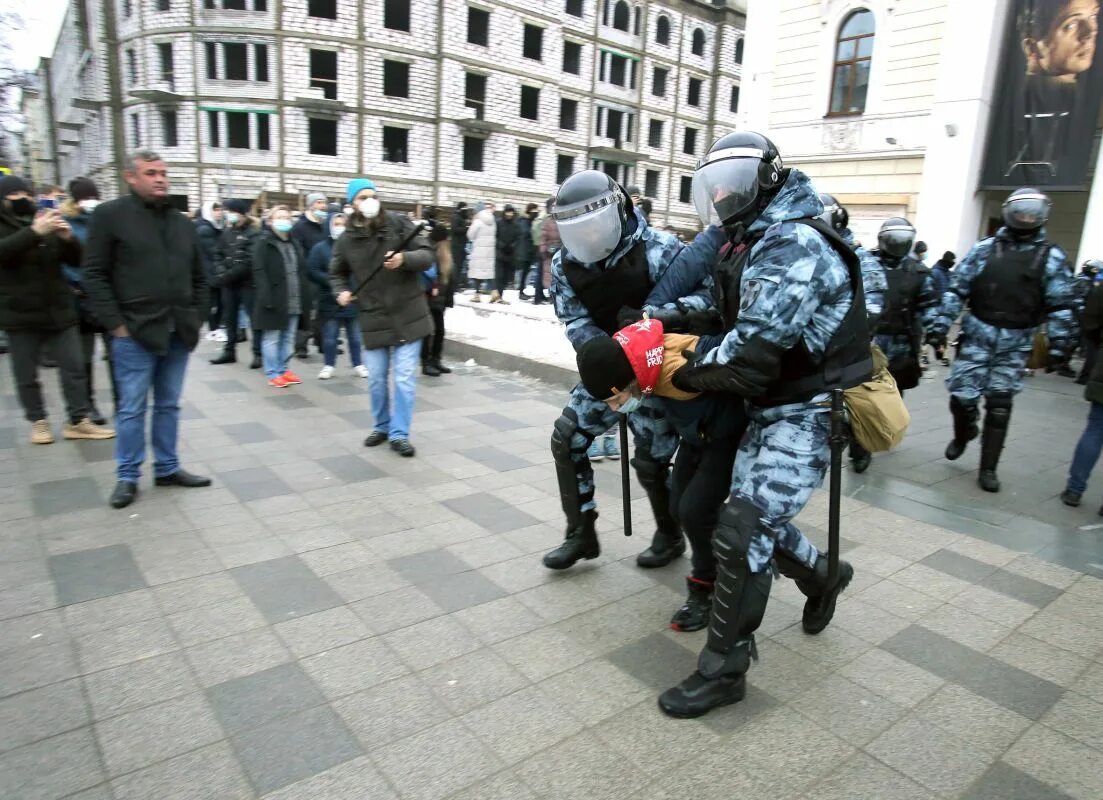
(834, 214)
(1026, 211)
(736, 179)
(895, 238)
(592, 211)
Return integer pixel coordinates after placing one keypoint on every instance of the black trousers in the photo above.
(234, 298)
(503, 273)
(699, 486)
(433, 344)
(88, 350)
(26, 347)
(214, 311)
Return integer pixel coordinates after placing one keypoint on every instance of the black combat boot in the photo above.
(668, 543)
(965, 428)
(694, 614)
(819, 608)
(860, 458)
(997, 417)
(229, 356)
(581, 542)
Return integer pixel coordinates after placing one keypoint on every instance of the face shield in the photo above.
(591, 230)
(896, 241)
(1026, 212)
(725, 185)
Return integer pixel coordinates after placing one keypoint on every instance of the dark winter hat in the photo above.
(531, 207)
(508, 208)
(237, 206)
(83, 189)
(604, 367)
(920, 247)
(949, 257)
(10, 184)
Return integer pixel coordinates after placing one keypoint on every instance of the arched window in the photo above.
(853, 53)
(620, 16)
(739, 50)
(662, 29)
(698, 42)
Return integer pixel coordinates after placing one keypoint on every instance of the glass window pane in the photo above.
(857, 23)
(865, 47)
(845, 50)
(839, 90)
(861, 86)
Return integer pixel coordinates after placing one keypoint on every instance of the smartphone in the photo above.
(47, 202)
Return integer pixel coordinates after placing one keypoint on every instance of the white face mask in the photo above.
(232, 218)
(369, 207)
(336, 231)
(89, 205)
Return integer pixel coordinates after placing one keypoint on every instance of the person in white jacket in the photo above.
(482, 234)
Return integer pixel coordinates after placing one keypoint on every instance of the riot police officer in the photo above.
(873, 274)
(910, 305)
(611, 259)
(1012, 282)
(791, 290)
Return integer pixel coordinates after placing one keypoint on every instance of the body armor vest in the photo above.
(905, 282)
(1010, 291)
(605, 292)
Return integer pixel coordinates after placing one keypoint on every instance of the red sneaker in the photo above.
(290, 378)
(279, 382)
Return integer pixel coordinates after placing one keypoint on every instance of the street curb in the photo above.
(549, 373)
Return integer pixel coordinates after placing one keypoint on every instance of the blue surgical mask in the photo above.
(336, 231)
(232, 218)
(282, 226)
(632, 404)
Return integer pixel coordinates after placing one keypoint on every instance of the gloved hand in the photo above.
(698, 377)
(709, 322)
(626, 316)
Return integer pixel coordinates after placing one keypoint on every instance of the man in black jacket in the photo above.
(37, 310)
(233, 274)
(145, 282)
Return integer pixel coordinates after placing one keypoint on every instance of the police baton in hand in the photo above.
(402, 246)
(625, 483)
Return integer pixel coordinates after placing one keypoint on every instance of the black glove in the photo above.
(709, 322)
(626, 316)
(935, 339)
(698, 377)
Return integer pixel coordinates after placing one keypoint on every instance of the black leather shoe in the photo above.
(988, 480)
(403, 448)
(698, 695)
(1068, 497)
(227, 357)
(955, 450)
(430, 370)
(861, 463)
(124, 494)
(443, 370)
(256, 363)
(819, 611)
(183, 478)
(375, 438)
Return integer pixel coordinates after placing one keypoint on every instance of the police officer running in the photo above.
(793, 291)
(910, 305)
(874, 283)
(611, 259)
(1012, 282)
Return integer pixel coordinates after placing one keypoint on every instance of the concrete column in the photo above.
(1091, 240)
(756, 85)
(950, 207)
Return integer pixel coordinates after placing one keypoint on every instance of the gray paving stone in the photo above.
(26, 668)
(958, 565)
(473, 680)
(498, 422)
(249, 432)
(1006, 685)
(285, 588)
(1022, 588)
(582, 766)
(351, 468)
(89, 574)
(51, 768)
(354, 667)
(112, 611)
(655, 661)
(40, 713)
(929, 755)
(498, 460)
(269, 490)
(322, 631)
(121, 690)
(354, 780)
(66, 496)
(1055, 759)
(295, 747)
(459, 759)
(975, 719)
(863, 777)
(28, 599)
(391, 711)
(257, 699)
(235, 656)
(209, 772)
(521, 724)
(140, 738)
(491, 513)
(1079, 717)
(467, 589)
(427, 567)
(851, 712)
(290, 402)
(216, 620)
(117, 646)
(1003, 782)
(890, 677)
(225, 386)
(432, 642)
(398, 609)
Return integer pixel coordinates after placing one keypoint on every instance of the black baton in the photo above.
(625, 484)
(402, 246)
(838, 441)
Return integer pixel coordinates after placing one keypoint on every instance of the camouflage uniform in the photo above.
(585, 417)
(991, 360)
(874, 283)
(900, 346)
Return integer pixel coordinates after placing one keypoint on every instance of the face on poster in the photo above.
(1047, 96)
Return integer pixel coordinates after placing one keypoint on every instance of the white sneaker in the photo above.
(326, 373)
(219, 335)
(360, 370)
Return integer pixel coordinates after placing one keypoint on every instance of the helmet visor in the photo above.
(896, 241)
(590, 231)
(1026, 212)
(724, 189)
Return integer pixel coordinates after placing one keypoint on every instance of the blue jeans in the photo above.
(1087, 451)
(276, 347)
(333, 326)
(403, 360)
(136, 370)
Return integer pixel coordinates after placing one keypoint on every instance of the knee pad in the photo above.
(737, 526)
(650, 472)
(959, 407)
(998, 407)
(563, 431)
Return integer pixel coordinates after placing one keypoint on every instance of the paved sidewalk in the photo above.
(334, 622)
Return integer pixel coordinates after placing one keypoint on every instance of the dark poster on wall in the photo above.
(1047, 96)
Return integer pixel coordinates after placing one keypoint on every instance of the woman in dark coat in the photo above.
(394, 315)
(280, 281)
(440, 290)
